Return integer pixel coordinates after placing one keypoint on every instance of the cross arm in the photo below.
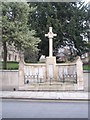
(46, 35)
(54, 34)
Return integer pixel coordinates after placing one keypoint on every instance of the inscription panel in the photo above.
(72, 70)
(51, 71)
(40, 72)
(30, 70)
(61, 72)
(65, 70)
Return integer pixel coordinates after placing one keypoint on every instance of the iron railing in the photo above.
(30, 79)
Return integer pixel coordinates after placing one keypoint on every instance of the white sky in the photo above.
(86, 1)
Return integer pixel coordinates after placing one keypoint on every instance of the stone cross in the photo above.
(50, 35)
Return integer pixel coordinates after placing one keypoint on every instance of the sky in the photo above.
(86, 1)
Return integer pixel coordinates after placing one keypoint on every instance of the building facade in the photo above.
(12, 53)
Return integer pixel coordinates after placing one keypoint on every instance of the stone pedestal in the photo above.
(50, 68)
(1, 66)
(79, 67)
(21, 71)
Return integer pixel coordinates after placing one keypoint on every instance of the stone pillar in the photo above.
(50, 48)
(50, 35)
(51, 68)
(21, 70)
(79, 69)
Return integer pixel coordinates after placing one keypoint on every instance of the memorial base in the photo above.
(51, 68)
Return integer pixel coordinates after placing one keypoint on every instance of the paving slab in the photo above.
(45, 95)
(53, 95)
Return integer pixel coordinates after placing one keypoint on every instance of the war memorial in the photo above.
(50, 75)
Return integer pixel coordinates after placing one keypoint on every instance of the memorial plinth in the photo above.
(50, 68)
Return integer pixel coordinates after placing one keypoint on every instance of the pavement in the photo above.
(35, 95)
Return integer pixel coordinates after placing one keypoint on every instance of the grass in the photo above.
(86, 67)
(11, 65)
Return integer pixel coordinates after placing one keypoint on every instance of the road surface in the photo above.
(41, 109)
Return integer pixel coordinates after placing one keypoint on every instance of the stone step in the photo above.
(52, 83)
(48, 87)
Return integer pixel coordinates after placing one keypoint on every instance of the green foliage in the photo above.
(30, 56)
(14, 26)
(15, 29)
(69, 21)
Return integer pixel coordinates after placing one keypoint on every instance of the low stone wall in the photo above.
(35, 69)
(65, 68)
(9, 79)
(51, 72)
(86, 76)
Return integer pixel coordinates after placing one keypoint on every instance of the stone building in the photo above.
(85, 58)
(12, 53)
(63, 54)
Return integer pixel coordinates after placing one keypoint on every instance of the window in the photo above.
(9, 56)
(15, 57)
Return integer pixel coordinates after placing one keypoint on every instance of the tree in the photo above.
(15, 29)
(69, 21)
(0, 19)
(31, 56)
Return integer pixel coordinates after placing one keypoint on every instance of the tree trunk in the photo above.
(5, 56)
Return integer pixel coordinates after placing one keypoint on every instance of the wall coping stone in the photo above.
(36, 64)
(86, 71)
(65, 64)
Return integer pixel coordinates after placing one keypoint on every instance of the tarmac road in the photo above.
(40, 109)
